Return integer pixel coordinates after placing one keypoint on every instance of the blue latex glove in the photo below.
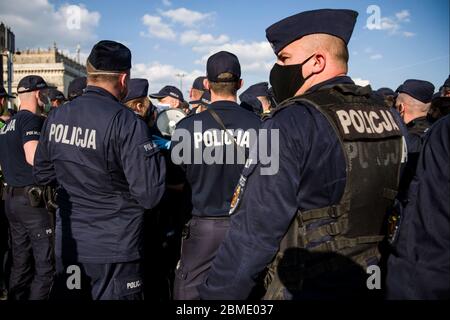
(162, 143)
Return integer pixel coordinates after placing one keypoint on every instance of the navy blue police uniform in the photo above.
(30, 224)
(311, 175)
(422, 91)
(416, 131)
(212, 183)
(108, 171)
(419, 267)
(4, 232)
(158, 226)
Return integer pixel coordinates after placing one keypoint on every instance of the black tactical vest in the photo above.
(373, 147)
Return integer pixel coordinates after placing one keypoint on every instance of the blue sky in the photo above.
(169, 37)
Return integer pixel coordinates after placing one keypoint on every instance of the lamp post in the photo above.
(181, 76)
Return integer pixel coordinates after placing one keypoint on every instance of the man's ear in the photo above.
(240, 84)
(206, 84)
(123, 78)
(319, 62)
(401, 108)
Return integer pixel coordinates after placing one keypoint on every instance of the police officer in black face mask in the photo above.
(30, 224)
(314, 219)
(108, 171)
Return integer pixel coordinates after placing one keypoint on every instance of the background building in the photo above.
(57, 69)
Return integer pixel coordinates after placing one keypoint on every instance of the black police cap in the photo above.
(110, 56)
(386, 92)
(54, 94)
(168, 91)
(223, 62)
(4, 94)
(257, 90)
(418, 89)
(205, 99)
(76, 87)
(31, 83)
(335, 22)
(198, 84)
(137, 88)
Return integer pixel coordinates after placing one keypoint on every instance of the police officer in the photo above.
(445, 92)
(4, 247)
(76, 87)
(108, 171)
(419, 268)
(257, 99)
(56, 97)
(170, 97)
(316, 220)
(137, 99)
(440, 103)
(387, 95)
(413, 102)
(4, 96)
(52, 98)
(201, 104)
(221, 136)
(29, 222)
(196, 92)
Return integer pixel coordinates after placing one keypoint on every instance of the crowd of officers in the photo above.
(96, 207)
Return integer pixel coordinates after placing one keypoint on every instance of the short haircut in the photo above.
(230, 87)
(412, 103)
(91, 76)
(334, 45)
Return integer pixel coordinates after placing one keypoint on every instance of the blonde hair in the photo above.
(132, 104)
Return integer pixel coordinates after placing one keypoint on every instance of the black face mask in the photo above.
(286, 80)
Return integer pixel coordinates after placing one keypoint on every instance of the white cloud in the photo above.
(361, 82)
(185, 16)
(389, 24)
(255, 57)
(160, 75)
(40, 23)
(376, 56)
(403, 15)
(394, 24)
(167, 3)
(408, 34)
(193, 36)
(157, 28)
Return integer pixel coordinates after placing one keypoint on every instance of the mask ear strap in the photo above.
(306, 78)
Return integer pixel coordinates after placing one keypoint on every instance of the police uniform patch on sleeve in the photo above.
(249, 168)
(149, 148)
(237, 195)
(32, 133)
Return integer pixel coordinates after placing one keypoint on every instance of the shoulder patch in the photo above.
(148, 148)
